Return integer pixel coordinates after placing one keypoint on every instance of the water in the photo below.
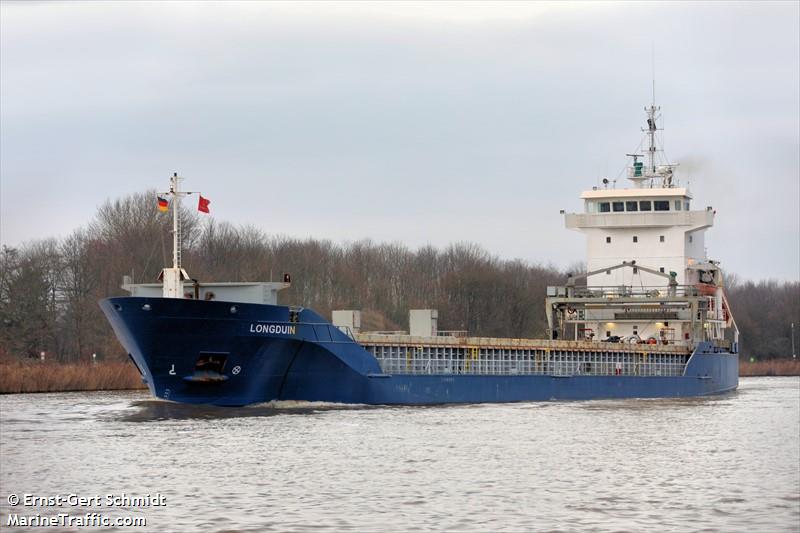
(729, 463)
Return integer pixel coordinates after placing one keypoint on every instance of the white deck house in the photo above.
(646, 241)
(654, 226)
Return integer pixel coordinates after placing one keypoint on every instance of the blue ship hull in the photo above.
(273, 353)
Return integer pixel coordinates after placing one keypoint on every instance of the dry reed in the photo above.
(17, 376)
(770, 367)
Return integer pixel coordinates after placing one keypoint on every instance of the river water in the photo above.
(727, 463)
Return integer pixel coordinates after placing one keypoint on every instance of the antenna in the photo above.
(653, 67)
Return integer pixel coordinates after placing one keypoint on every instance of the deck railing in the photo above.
(629, 291)
(433, 360)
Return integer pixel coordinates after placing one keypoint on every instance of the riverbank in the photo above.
(770, 367)
(16, 377)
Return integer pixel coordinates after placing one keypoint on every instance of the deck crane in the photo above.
(671, 276)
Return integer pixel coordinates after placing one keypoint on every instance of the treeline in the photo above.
(765, 312)
(49, 289)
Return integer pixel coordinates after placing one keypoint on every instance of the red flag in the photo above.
(202, 205)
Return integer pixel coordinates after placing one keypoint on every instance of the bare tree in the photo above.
(49, 289)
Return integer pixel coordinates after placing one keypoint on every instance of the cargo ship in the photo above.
(649, 319)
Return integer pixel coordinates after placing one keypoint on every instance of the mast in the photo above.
(651, 117)
(641, 172)
(174, 277)
(652, 171)
(176, 220)
(651, 134)
(636, 173)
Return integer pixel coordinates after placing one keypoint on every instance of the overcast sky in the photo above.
(417, 123)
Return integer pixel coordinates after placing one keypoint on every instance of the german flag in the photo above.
(163, 204)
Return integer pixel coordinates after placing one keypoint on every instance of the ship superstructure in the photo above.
(649, 318)
(649, 278)
(651, 221)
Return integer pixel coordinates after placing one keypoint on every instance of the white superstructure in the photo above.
(649, 240)
(651, 222)
(655, 226)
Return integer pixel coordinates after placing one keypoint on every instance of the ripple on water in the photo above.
(718, 463)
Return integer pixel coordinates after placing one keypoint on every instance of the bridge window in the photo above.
(608, 239)
(635, 238)
(644, 205)
(661, 269)
(690, 238)
(660, 238)
(686, 205)
(605, 207)
(661, 205)
(631, 206)
(677, 205)
(618, 206)
(608, 272)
